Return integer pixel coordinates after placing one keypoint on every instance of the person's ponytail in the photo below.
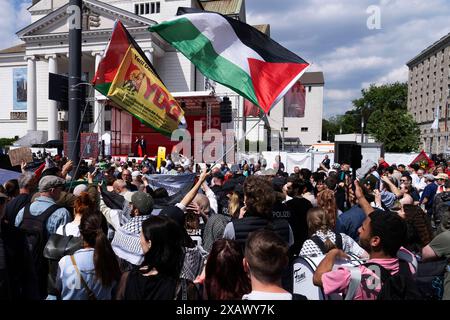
(329, 245)
(105, 262)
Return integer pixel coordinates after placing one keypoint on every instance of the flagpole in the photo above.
(75, 25)
(237, 142)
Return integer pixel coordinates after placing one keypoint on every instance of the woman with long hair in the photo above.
(159, 274)
(225, 277)
(90, 273)
(419, 231)
(82, 207)
(323, 238)
(327, 202)
(232, 203)
(406, 191)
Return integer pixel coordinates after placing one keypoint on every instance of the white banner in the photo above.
(400, 158)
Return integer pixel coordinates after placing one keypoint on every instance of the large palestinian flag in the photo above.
(234, 54)
(126, 76)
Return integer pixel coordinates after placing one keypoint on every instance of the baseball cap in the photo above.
(50, 182)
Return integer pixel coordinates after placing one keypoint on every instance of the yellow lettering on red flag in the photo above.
(137, 90)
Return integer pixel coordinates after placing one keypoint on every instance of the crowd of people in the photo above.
(105, 233)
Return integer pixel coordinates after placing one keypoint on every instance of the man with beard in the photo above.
(381, 235)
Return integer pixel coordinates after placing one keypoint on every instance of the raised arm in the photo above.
(392, 186)
(193, 192)
(326, 265)
(362, 201)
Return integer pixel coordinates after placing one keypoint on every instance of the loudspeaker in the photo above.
(225, 111)
(348, 152)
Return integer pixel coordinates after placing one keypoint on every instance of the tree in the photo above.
(388, 96)
(396, 129)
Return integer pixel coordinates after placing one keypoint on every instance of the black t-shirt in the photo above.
(157, 287)
(13, 207)
(339, 195)
(298, 208)
(131, 187)
(415, 195)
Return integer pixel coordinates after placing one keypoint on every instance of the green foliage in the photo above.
(384, 109)
(6, 142)
(389, 96)
(396, 129)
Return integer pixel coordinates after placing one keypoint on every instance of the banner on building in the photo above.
(251, 109)
(295, 101)
(89, 145)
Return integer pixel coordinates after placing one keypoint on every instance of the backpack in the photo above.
(441, 204)
(430, 278)
(57, 247)
(35, 229)
(400, 286)
(316, 239)
(21, 280)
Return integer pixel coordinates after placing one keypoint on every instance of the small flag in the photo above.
(126, 76)
(435, 124)
(423, 161)
(234, 54)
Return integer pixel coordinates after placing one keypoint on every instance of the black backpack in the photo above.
(316, 239)
(35, 229)
(57, 247)
(400, 286)
(430, 278)
(441, 207)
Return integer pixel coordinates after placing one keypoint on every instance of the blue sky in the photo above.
(330, 34)
(333, 36)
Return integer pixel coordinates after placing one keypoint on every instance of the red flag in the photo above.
(423, 161)
(39, 171)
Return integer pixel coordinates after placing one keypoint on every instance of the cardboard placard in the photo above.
(17, 155)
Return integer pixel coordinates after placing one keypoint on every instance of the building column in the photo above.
(52, 105)
(149, 54)
(99, 111)
(31, 94)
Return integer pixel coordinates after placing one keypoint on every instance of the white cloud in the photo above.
(341, 95)
(334, 37)
(396, 75)
(12, 19)
(340, 68)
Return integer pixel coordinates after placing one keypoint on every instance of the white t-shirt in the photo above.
(259, 295)
(72, 229)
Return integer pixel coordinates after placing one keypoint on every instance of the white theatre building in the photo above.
(24, 73)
